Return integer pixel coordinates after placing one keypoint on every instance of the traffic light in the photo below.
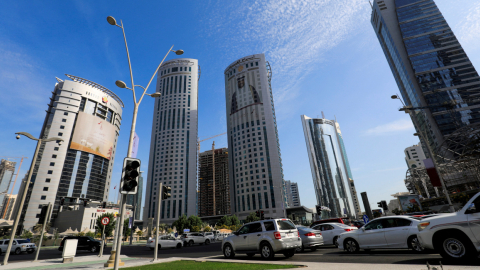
(104, 205)
(43, 214)
(262, 216)
(166, 192)
(319, 209)
(379, 204)
(131, 171)
(62, 201)
(257, 214)
(85, 203)
(384, 205)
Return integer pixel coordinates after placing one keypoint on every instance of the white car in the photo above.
(210, 236)
(18, 246)
(165, 241)
(331, 231)
(381, 233)
(455, 236)
(189, 239)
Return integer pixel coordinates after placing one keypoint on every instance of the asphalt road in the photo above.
(323, 254)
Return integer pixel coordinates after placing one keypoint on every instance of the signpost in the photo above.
(104, 221)
(365, 219)
(186, 230)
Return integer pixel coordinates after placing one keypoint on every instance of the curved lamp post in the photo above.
(118, 233)
(24, 195)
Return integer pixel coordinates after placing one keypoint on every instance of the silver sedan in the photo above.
(310, 238)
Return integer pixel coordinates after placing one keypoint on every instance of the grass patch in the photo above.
(187, 265)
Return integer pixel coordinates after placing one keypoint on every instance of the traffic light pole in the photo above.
(45, 221)
(159, 204)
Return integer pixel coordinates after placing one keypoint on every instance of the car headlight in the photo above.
(423, 225)
(24, 246)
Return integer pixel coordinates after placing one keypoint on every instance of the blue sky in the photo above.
(324, 56)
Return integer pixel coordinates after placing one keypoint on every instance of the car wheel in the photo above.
(228, 251)
(93, 249)
(18, 251)
(351, 246)
(300, 249)
(414, 244)
(250, 255)
(289, 253)
(207, 242)
(335, 241)
(266, 251)
(179, 245)
(313, 249)
(191, 243)
(456, 247)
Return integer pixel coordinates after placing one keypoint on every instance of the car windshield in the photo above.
(285, 225)
(22, 241)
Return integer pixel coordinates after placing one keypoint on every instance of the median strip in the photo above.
(207, 265)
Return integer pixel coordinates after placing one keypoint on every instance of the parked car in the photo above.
(165, 241)
(266, 237)
(189, 239)
(210, 235)
(18, 247)
(221, 236)
(455, 236)
(311, 238)
(331, 220)
(358, 224)
(331, 232)
(84, 243)
(384, 232)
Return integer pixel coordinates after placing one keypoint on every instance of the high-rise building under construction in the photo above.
(214, 186)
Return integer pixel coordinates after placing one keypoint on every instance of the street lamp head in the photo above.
(18, 137)
(120, 84)
(394, 97)
(416, 134)
(111, 20)
(156, 94)
(179, 52)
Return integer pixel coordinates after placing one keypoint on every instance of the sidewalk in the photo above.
(95, 262)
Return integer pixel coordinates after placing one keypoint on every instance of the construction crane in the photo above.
(199, 141)
(16, 176)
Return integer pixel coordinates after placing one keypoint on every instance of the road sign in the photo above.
(365, 219)
(176, 234)
(105, 221)
(186, 230)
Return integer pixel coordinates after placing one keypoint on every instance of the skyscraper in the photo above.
(429, 65)
(173, 151)
(329, 166)
(255, 164)
(7, 207)
(293, 197)
(87, 116)
(7, 170)
(414, 156)
(209, 173)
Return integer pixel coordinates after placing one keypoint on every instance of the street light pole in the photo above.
(423, 137)
(117, 243)
(25, 190)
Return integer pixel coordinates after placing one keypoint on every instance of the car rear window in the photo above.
(269, 226)
(285, 225)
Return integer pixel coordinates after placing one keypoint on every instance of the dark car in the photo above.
(84, 243)
(358, 224)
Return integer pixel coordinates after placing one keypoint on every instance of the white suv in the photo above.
(210, 235)
(18, 246)
(455, 236)
(266, 237)
(189, 239)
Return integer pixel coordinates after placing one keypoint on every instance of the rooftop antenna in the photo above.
(323, 115)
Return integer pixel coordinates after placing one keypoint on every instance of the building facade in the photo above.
(429, 65)
(255, 164)
(173, 151)
(329, 166)
(356, 202)
(213, 166)
(414, 156)
(293, 196)
(87, 116)
(7, 170)
(136, 200)
(7, 207)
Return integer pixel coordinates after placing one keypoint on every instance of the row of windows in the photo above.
(175, 69)
(245, 205)
(175, 84)
(240, 68)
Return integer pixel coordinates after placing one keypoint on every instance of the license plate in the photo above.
(289, 234)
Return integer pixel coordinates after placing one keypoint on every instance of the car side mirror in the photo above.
(471, 209)
(363, 228)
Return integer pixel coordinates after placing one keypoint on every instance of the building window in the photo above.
(65, 113)
(52, 163)
(54, 156)
(64, 120)
(45, 188)
(43, 197)
(62, 127)
(48, 180)
(50, 172)
(55, 149)
(60, 134)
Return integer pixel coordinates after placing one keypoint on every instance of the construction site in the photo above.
(213, 183)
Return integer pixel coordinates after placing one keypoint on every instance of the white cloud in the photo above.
(469, 27)
(396, 126)
(294, 35)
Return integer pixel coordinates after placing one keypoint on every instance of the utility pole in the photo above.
(213, 178)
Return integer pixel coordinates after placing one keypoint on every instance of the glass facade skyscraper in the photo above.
(429, 65)
(330, 169)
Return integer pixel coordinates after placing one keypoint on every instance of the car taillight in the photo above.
(186, 236)
(277, 235)
(348, 230)
(298, 233)
(310, 234)
(423, 225)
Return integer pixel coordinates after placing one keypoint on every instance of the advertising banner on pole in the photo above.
(136, 139)
(409, 201)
